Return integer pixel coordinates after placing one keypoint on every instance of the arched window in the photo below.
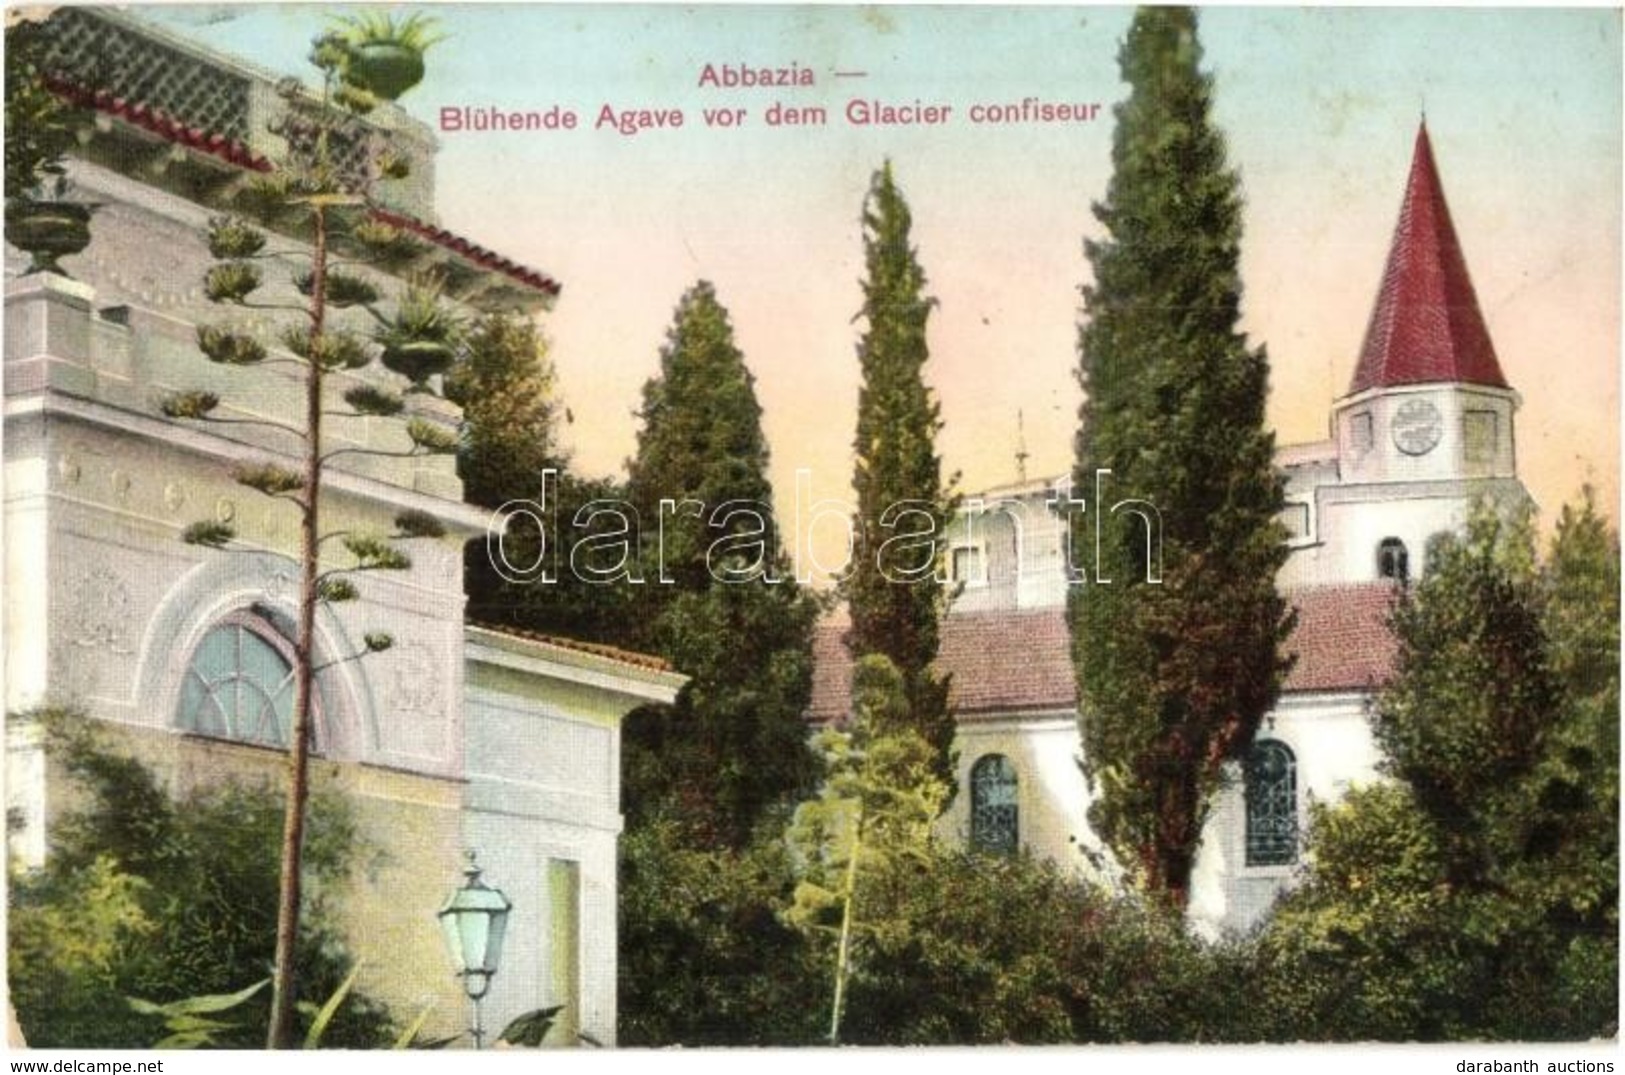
(1271, 782)
(993, 812)
(239, 684)
(1393, 562)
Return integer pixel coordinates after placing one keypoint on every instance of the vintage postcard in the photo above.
(650, 525)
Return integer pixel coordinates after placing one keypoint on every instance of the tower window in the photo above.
(1481, 435)
(1393, 562)
(1272, 804)
(967, 564)
(994, 823)
(1361, 435)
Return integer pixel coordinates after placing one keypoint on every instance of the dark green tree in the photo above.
(718, 598)
(1473, 701)
(511, 423)
(894, 587)
(505, 385)
(1477, 895)
(1176, 636)
(705, 959)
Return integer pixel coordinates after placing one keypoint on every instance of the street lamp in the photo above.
(474, 920)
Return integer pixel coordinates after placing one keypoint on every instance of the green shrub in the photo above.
(163, 899)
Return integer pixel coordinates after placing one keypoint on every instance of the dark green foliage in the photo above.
(40, 126)
(893, 612)
(1007, 949)
(985, 950)
(505, 385)
(531, 1028)
(143, 896)
(731, 618)
(1478, 897)
(701, 439)
(704, 957)
(412, 523)
(1174, 677)
(1473, 700)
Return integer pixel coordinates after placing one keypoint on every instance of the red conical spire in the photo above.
(1426, 325)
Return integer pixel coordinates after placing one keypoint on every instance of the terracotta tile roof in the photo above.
(1342, 640)
(1427, 325)
(612, 653)
(161, 123)
(479, 255)
(1011, 662)
(1002, 662)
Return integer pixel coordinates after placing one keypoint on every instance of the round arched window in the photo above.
(239, 684)
(994, 818)
(1271, 791)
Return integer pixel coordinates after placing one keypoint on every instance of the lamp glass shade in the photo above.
(474, 921)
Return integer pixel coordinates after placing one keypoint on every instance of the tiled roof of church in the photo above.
(1018, 661)
(1002, 662)
(1342, 639)
(1426, 326)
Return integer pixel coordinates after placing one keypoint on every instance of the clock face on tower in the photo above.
(1416, 427)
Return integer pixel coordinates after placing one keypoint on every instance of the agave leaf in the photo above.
(318, 1026)
(408, 1038)
(531, 1027)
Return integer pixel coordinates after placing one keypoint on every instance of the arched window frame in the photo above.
(197, 689)
(1393, 560)
(1270, 796)
(995, 812)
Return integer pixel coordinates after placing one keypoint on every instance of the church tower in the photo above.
(1427, 425)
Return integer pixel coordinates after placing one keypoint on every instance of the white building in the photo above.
(460, 736)
(1425, 430)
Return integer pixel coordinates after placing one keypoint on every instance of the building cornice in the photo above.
(464, 520)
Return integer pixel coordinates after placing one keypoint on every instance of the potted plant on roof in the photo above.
(40, 128)
(420, 339)
(386, 56)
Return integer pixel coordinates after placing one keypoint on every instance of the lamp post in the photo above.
(474, 919)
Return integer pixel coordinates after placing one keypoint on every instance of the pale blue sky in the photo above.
(1320, 107)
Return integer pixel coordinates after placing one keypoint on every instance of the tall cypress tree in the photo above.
(1174, 676)
(893, 590)
(731, 617)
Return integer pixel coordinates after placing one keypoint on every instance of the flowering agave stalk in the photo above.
(316, 197)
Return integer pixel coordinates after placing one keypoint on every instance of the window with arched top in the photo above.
(239, 684)
(994, 816)
(1393, 561)
(1271, 788)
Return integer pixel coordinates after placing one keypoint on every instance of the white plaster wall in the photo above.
(1330, 737)
(566, 808)
(1052, 795)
